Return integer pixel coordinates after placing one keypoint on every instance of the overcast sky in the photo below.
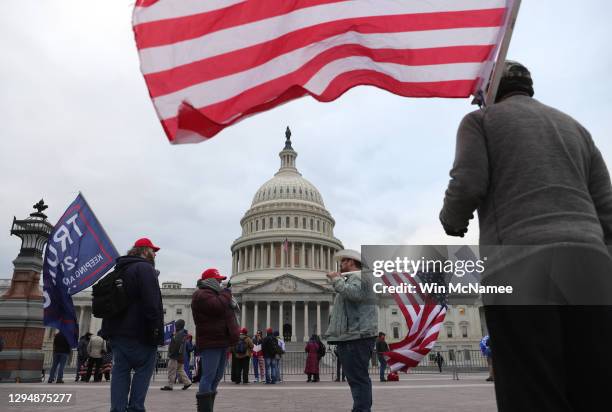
(77, 116)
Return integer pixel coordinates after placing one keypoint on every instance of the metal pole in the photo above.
(503, 51)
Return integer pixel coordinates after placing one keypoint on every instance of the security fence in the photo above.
(293, 363)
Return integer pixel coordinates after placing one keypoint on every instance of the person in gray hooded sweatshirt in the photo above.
(544, 201)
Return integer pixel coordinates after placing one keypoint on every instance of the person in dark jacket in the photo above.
(382, 347)
(216, 330)
(82, 355)
(136, 332)
(270, 349)
(61, 353)
(439, 361)
(176, 357)
(537, 179)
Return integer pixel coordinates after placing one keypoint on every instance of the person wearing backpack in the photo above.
(176, 357)
(137, 331)
(270, 349)
(279, 356)
(243, 350)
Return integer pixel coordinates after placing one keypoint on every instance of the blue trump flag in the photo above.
(78, 253)
(169, 329)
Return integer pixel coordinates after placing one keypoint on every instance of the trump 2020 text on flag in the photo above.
(208, 64)
(77, 254)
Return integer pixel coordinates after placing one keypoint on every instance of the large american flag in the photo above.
(211, 63)
(424, 314)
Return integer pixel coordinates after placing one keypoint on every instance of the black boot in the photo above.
(205, 401)
(212, 403)
(316, 377)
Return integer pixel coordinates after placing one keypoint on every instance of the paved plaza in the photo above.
(427, 392)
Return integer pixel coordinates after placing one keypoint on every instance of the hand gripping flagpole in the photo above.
(501, 56)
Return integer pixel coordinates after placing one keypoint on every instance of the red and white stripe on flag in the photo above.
(210, 63)
(423, 319)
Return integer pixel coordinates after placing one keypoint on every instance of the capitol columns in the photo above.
(318, 318)
(21, 307)
(268, 325)
(306, 336)
(243, 309)
(280, 318)
(255, 315)
(293, 325)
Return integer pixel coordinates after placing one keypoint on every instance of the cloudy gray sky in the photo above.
(77, 116)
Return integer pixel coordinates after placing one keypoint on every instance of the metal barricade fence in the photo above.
(293, 363)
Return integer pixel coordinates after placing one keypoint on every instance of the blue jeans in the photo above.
(59, 361)
(383, 365)
(213, 366)
(255, 361)
(355, 357)
(128, 355)
(277, 377)
(270, 370)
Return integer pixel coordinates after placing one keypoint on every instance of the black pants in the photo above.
(339, 369)
(242, 369)
(313, 377)
(97, 362)
(551, 358)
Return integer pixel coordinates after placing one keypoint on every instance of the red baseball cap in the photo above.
(269, 330)
(244, 331)
(212, 274)
(145, 242)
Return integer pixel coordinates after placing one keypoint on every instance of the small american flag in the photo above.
(286, 245)
(424, 314)
(210, 63)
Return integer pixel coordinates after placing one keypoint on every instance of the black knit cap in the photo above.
(515, 78)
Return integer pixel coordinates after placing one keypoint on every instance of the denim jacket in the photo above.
(355, 312)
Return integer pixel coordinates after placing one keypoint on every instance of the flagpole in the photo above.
(101, 227)
(501, 57)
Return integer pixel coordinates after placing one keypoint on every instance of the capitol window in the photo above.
(263, 224)
(179, 311)
(311, 224)
(449, 331)
(278, 222)
(295, 222)
(256, 225)
(318, 226)
(303, 223)
(287, 221)
(271, 223)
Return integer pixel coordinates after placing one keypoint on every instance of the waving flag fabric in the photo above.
(210, 63)
(78, 253)
(424, 314)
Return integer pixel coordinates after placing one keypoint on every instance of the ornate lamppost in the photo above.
(21, 307)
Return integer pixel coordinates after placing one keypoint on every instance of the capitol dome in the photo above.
(287, 229)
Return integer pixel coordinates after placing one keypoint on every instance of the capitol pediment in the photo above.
(286, 284)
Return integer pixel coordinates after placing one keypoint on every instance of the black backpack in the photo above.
(109, 296)
(241, 347)
(321, 350)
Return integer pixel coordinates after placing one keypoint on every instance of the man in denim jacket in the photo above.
(353, 325)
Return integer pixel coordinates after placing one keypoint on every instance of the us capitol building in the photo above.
(279, 267)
